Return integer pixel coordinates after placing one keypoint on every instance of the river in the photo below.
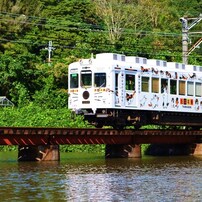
(92, 178)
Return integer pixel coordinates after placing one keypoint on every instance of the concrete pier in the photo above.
(39, 153)
(123, 151)
(174, 149)
(197, 149)
(52, 153)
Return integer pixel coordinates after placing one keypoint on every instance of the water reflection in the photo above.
(93, 178)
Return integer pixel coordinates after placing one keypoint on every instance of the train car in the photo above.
(117, 90)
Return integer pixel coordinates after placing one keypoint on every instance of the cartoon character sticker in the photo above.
(143, 101)
(130, 98)
(197, 105)
(154, 101)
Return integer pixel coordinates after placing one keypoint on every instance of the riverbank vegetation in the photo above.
(37, 82)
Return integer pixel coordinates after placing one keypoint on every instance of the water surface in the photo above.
(91, 177)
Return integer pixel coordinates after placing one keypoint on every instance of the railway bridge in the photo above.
(39, 143)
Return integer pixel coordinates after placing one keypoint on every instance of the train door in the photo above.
(86, 89)
(130, 89)
(119, 88)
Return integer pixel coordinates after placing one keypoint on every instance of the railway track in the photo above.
(57, 136)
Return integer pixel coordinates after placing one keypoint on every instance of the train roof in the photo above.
(137, 62)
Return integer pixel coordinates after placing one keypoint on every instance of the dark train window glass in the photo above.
(86, 78)
(100, 80)
(164, 85)
(155, 85)
(198, 89)
(123, 58)
(130, 82)
(115, 56)
(74, 80)
(190, 88)
(173, 87)
(145, 84)
(182, 87)
(116, 81)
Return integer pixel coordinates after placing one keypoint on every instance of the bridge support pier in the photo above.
(174, 149)
(123, 151)
(197, 149)
(39, 153)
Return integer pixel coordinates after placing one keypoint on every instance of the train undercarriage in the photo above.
(118, 118)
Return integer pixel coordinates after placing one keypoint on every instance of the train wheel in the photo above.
(137, 127)
(194, 128)
(118, 127)
(99, 126)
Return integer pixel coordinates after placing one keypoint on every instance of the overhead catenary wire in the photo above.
(157, 54)
(59, 40)
(150, 51)
(77, 26)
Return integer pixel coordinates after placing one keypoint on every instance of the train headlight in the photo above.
(86, 95)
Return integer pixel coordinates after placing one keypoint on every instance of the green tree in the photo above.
(116, 15)
(49, 96)
(17, 72)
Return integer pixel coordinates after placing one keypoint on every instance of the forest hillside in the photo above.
(76, 28)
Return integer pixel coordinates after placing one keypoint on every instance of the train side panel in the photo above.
(113, 89)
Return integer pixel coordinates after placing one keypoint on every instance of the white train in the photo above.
(118, 90)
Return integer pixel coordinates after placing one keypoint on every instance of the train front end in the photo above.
(87, 87)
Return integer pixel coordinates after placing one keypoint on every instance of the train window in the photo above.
(116, 81)
(155, 85)
(130, 82)
(164, 85)
(86, 78)
(173, 87)
(190, 88)
(100, 80)
(181, 87)
(145, 84)
(198, 89)
(74, 80)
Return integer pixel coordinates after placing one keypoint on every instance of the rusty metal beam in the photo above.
(45, 136)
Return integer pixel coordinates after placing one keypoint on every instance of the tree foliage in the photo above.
(35, 116)
(78, 28)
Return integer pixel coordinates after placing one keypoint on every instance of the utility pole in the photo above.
(50, 48)
(185, 36)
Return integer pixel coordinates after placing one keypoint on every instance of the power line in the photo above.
(59, 40)
(90, 27)
(60, 43)
(171, 54)
(44, 22)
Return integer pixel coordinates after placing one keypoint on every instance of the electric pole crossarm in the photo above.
(195, 22)
(194, 46)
